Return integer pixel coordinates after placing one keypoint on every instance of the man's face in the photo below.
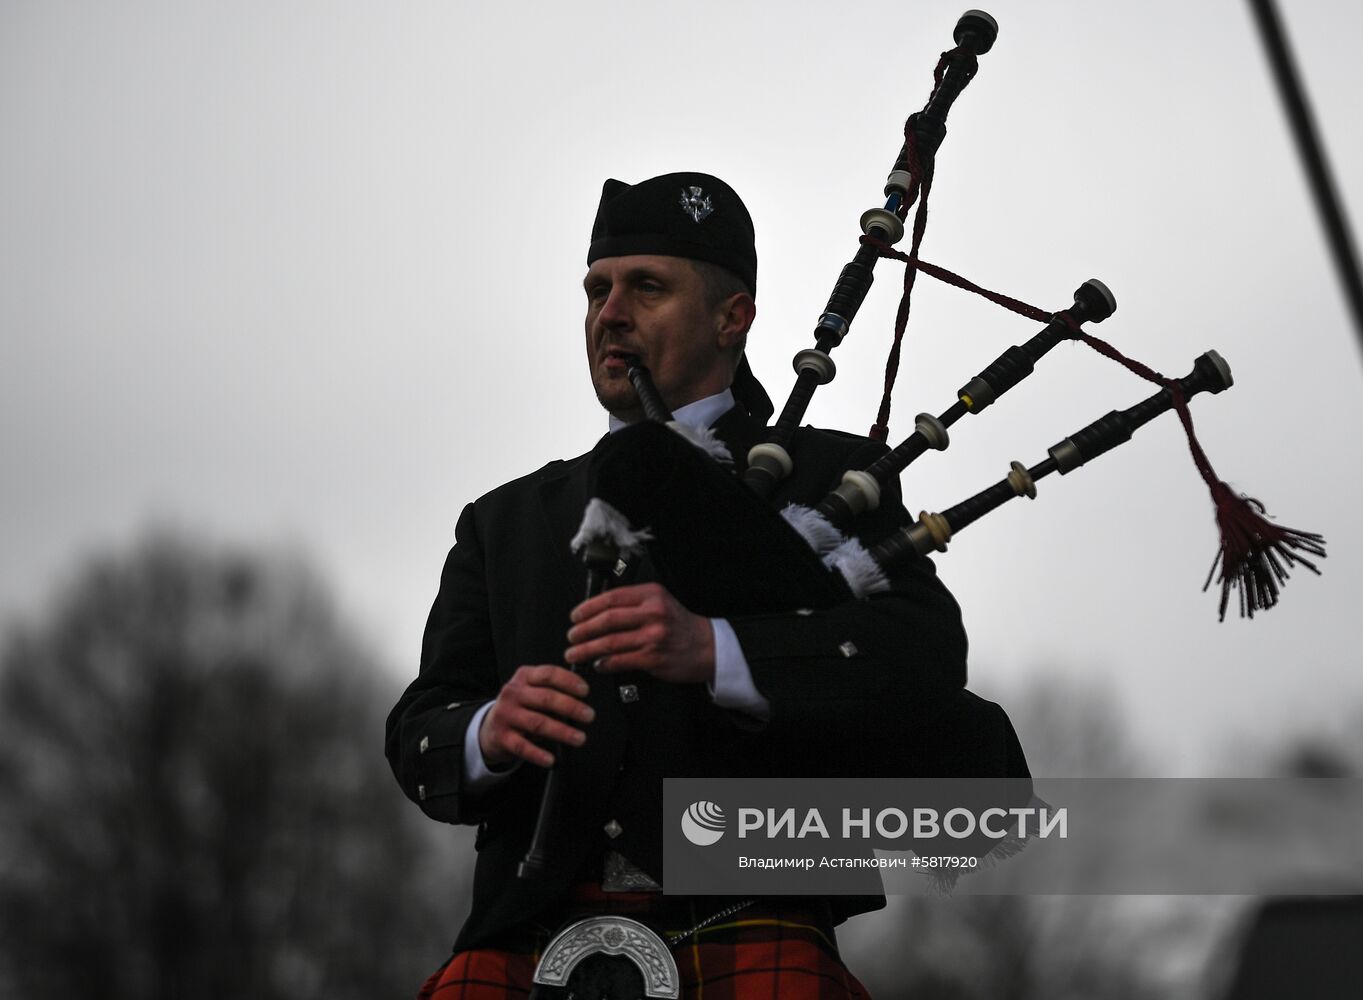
(653, 307)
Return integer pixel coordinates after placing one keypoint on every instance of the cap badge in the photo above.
(696, 204)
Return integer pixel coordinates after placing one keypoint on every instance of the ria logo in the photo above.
(703, 823)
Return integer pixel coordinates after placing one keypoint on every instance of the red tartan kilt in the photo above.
(768, 950)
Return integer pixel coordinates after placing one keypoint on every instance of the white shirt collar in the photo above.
(701, 413)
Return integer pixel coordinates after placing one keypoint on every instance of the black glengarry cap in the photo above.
(687, 214)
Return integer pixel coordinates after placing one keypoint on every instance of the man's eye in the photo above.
(650, 286)
(597, 292)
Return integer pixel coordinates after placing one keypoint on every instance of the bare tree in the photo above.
(193, 794)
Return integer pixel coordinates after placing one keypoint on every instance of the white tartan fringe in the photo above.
(601, 520)
(862, 573)
(704, 439)
(813, 527)
(942, 881)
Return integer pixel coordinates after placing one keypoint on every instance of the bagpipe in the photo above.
(663, 492)
(722, 548)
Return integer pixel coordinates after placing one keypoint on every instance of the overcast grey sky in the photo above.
(310, 274)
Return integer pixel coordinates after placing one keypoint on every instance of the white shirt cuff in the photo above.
(733, 687)
(478, 777)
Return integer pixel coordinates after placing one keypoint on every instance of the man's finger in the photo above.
(606, 645)
(547, 700)
(519, 746)
(514, 736)
(546, 727)
(614, 598)
(548, 676)
(607, 621)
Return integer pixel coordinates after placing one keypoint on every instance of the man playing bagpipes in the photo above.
(694, 663)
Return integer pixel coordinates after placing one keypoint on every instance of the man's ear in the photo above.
(733, 318)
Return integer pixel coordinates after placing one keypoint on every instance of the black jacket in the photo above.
(892, 706)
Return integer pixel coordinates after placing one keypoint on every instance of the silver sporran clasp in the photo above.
(612, 938)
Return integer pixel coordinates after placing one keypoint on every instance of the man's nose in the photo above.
(615, 310)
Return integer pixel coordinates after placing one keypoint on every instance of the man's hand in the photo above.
(532, 706)
(643, 627)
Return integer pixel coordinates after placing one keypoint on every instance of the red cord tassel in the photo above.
(1255, 553)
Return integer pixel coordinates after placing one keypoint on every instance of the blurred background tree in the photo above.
(194, 797)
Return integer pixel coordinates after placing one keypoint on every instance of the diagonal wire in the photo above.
(1318, 174)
